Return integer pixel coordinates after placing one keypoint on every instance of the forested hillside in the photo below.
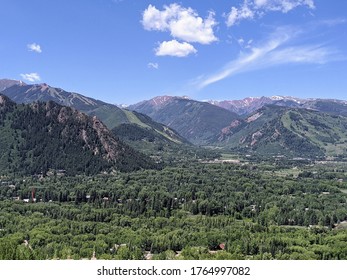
(280, 131)
(42, 136)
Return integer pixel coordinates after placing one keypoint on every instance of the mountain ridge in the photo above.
(195, 120)
(268, 125)
(111, 115)
(249, 105)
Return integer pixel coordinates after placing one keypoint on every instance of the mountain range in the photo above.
(249, 105)
(274, 125)
(266, 125)
(111, 115)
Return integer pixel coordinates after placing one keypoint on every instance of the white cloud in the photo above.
(175, 48)
(34, 48)
(251, 9)
(153, 19)
(153, 65)
(260, 3)
(275, 51)
(241, 41)
(249, 44)
(237, 15)
(182, 23)
(282, 5)
(32, 77)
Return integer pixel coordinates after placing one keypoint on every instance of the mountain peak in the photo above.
(161, 100)
(164, 99)
(6, 83)
(288, 98)
(44, 86)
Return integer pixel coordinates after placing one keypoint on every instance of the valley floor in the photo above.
(230, 210)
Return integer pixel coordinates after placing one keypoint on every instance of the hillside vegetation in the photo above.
(42, 136)
(278, 131)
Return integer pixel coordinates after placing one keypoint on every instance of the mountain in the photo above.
(156, 140)
(249, 105)
(109, 114)
(163, 123)
(276, 130)
(244, 106)
(331, 106)
(5, 83)
(41, 136)
(194, 120)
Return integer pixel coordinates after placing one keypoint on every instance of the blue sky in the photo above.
(125, 51)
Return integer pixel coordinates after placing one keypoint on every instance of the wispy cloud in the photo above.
(31, 77)
(175, 48)
(34, 48)
(243, 44)
(276, 50)
(251, 9)
(330, 22)
(153, 65)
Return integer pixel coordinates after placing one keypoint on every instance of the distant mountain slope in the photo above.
(196, 121)
(244, 106)
(42, 136)
(274, 130)
(154, 139)
(5, 83)
(249, 105)
(335, 107)
(109, 114)
(144, 128)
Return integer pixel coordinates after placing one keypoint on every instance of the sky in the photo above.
(126, 51)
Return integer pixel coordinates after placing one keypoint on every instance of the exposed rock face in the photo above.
(2, 99)
(253, 117)
(5, 102)
(108, 142)
(228, 130)
(255, 137)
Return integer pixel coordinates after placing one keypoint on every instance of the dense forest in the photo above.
(42, 136)
(198, 210)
